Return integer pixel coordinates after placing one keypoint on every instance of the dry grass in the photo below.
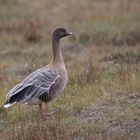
(99, 69)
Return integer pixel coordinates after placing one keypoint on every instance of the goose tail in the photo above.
(9, 103)
(6, 105)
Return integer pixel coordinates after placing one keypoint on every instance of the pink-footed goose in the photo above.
(44, 84)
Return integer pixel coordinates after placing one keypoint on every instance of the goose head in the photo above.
(60, 33)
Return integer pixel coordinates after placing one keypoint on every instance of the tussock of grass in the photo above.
(97, 100)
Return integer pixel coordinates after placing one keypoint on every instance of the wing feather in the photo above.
(34, 86)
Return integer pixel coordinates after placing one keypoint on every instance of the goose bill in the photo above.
(69, 33)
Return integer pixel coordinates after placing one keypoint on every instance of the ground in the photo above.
(102, 97)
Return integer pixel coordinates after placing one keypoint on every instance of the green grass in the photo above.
(100, 72)
(114, 31)
(92, 83)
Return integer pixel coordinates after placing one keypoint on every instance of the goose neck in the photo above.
(57, 55)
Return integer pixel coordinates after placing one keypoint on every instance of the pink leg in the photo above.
(40, 108)
(47, 114)
(44, 111)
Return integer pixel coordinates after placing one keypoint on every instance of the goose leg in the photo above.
(45, 112)
(40, 108)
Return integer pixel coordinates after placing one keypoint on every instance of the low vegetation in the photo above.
(102, 97)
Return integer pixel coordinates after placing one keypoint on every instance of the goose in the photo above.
(45, 84)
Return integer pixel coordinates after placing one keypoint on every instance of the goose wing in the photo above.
(40, 84)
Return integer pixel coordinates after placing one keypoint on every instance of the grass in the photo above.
(112, 31)
(84, 88)
(102, 60)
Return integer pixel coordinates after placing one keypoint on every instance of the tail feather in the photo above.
(8, 105)
(10, 101)
(16, 98)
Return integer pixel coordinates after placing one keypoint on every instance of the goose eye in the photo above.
(62, 32)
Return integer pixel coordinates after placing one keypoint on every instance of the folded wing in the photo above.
(40, 84)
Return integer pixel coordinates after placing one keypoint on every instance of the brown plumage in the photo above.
(44, 84)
